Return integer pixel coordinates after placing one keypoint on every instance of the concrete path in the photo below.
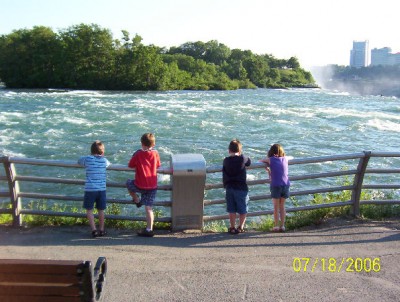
(254, 266)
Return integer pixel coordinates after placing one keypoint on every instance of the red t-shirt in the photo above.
(146, 164)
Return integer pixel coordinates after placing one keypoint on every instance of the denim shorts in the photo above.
(236, 201)
(147, 197)
(94, 197)
(279, 191)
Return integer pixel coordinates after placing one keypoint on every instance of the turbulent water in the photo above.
(61, 125)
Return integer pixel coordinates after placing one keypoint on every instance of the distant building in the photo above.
(384, 56)
(380, 56)
(359, 55)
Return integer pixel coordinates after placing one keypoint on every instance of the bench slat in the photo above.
(43, 290)
(39, 267)
(40, 299)
(38, 278)
(51, 280)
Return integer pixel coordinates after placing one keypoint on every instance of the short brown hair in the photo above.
(235, 146)
(97, 148)
(148, 140)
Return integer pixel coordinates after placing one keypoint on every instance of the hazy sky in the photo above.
(317, 32)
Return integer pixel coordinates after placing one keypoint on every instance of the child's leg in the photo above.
(242, 220)
(149, 218)
(101, 220)
(282, 211)
(276, 211)
(232, 219)
(90, 217)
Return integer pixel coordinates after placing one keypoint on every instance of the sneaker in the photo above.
(138, 204)
(282, 229)
(233, 231)
(95, 233)
(102, 233)
(241, 230)
(275, 229)
(145, 233)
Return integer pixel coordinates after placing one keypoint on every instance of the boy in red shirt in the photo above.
(145, 161)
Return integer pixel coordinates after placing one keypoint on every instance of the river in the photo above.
(61, 125)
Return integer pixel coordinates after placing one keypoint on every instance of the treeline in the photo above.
(88, 57)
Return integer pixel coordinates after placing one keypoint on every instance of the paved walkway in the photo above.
(253, 266)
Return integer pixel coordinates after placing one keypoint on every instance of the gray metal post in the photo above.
(13, 188)
(188, 182)
(358, 182)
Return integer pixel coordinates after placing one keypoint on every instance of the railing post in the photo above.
(358, 181)
(188, 183)
(13, 188)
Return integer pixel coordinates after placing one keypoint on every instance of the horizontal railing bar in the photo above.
(6, 211)
(292, 178)
(309, 160)
(4, 194)
(294, 193)
(72, 164)
(136, 218)
(295, 209)
(378, 202)
(384, 187)
(322, 190)
(50, 196)
(214, 201)
(50, 180)
(319, 159)
(385, 154)
(77, 182)
(80, 198)
(379, 171)
(83, 215)
(160, 203)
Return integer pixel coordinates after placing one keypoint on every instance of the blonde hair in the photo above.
(276, 150)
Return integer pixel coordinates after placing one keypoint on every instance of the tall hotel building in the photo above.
(359, 55)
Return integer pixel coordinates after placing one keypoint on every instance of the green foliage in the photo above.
(48, 220)
(217, 226)
(316, 217)
(87, 57)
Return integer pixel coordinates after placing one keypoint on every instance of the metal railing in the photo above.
(357, 167)
(359, 170)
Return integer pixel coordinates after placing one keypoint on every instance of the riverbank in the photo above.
(254, 266)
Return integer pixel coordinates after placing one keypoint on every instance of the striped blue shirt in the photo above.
(96, 166)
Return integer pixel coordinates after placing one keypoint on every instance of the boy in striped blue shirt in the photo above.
(95, 185)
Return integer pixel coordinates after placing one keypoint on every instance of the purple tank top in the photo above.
(279, 171)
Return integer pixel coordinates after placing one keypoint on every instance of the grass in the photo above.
(294, 220)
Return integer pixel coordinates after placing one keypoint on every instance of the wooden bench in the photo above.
(51, 280)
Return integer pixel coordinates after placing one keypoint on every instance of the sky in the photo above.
(317, 32)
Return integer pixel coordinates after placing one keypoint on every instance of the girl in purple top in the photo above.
(277, 167)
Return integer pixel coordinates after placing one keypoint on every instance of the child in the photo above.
(234, 180)
(145, 161)
(278, 174)
(95, 185)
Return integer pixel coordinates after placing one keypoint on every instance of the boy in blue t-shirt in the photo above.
(95, 185)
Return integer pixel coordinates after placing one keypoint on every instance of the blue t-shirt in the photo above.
(96, 166)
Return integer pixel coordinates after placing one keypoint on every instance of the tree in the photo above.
(28, 58)
(293, 63)
(88, 53)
